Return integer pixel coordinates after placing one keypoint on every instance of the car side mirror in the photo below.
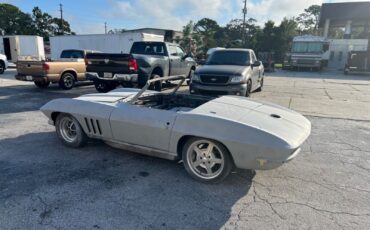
(256, 63)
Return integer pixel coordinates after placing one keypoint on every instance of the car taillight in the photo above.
(85, 61)
(132, 64)
(45, 67)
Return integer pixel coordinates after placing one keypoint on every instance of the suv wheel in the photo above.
(67, 81)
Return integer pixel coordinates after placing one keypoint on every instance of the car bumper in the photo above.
(93, 76)
(235, 89)
(266, 163)
(22, 77)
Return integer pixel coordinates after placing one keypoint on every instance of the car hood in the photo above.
(112, 96)
(222, 69)
(284, 123)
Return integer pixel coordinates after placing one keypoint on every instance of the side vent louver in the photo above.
(93, 126)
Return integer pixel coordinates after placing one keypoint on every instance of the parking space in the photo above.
(44, 185)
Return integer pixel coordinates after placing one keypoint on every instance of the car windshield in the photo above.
(153, 48)
(307, 47)
(72, 54)
(224, 57)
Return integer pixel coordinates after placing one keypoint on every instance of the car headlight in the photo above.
(236, 79)
(195, 77)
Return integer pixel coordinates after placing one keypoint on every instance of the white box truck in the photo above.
(22, 47)
(107, 43)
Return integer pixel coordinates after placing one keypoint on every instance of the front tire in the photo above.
(42, 84)
(206, 160)
(249, 88)
(2, 67)
(191, 73)
(70, 132)
(261, 86)
(67, 81)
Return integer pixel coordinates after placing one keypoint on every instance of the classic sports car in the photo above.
(210, 135)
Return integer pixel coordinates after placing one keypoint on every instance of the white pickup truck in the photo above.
(3, 63)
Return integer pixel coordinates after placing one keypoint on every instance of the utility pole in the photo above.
(244, 23)
(105, 27)
(61, 18)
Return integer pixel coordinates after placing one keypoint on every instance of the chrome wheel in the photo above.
(68, 129)
(205, 159)
(68, 81)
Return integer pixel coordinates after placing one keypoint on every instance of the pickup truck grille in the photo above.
(214, 79)
(306, 61)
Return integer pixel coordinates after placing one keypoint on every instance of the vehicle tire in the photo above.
(2, 67)
(157, 86)
(104, 86)
(249, 88)
(189, 76)
(206, 160)
(261, 86)
(69, 131)
(42, 84)
(346, 72)
(67, 81)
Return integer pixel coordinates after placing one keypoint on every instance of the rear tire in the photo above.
(206, 160)
(42, 84)
(104, 86)
(2, 67)
(157, 86)
(69, 131)
(67, 81)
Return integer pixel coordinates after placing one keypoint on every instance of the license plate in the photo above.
(29, 78)
(107, 75)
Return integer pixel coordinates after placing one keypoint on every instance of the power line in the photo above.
(61, 18)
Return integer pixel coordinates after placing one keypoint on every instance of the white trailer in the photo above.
(21, 47)
(107, 43)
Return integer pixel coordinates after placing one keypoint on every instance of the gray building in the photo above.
(346, 27)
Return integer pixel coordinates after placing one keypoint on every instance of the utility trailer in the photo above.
(106, 43)
(22, 47)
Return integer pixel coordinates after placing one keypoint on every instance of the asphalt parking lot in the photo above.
(44, 185)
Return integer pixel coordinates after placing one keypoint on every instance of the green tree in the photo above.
(14, 21)
(308, 21)
(205, 30)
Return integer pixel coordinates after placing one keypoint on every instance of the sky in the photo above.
(89, 16)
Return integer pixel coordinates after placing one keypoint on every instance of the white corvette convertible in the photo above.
(210, 135)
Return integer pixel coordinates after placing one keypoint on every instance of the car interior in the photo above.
(173, 102)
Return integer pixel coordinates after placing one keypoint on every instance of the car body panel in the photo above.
(258, 135)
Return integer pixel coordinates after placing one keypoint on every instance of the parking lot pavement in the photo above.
(332, 94)
(44, 185)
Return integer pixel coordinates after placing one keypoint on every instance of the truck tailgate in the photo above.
(34, 68)
(105, 62)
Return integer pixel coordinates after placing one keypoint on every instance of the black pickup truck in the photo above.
(146, 60)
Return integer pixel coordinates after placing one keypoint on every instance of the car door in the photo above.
(255, 71)
(184, 64)
(175, 60)
(142, 126)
